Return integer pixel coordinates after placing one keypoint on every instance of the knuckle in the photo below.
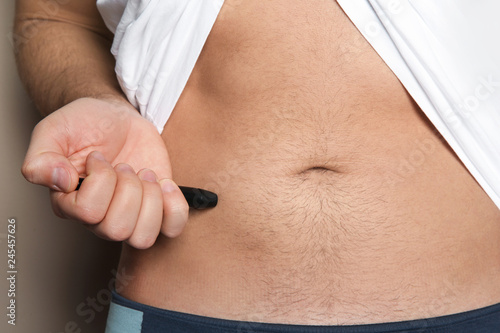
(173, 229)
(131, 183)
(90, 216)
(27, 171)
(180, 209)
(171, 232)
(175, 221)
(142, 242)
(117, 232)
(109, 174)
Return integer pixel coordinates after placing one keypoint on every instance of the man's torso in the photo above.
(339, 203)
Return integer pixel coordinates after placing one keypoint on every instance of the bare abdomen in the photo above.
(338, 201)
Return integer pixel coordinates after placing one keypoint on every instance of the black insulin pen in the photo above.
(196, 197)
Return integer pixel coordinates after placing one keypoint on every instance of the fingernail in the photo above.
(124, 168)
(98, 155)
(60, 179)
(167, 185)
(148, 176)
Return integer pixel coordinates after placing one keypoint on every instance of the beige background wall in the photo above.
(60, 265)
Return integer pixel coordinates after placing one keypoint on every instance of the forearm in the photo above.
(60, 59)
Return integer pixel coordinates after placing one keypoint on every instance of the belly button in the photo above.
(318, 170)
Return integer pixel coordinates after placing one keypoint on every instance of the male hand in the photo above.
(128, 194)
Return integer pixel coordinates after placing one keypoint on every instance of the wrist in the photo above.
(108, 102)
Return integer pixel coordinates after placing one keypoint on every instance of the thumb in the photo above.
(46, 162)
(52, 170)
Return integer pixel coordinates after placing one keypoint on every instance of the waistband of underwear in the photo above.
(153, 319)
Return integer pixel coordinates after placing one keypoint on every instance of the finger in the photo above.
(175, 209)
(91, 202)
(124, 208)
(148, 224)
(46, 161)
(50, 169)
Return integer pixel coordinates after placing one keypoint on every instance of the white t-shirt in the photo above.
(156, 45)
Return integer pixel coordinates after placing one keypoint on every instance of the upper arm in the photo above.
(82, 13)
